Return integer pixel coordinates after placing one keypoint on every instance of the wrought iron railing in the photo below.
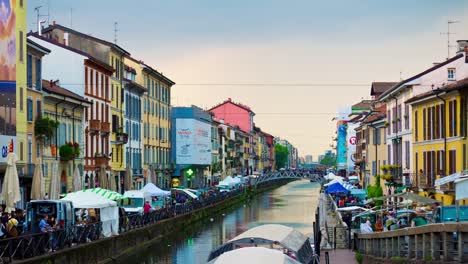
(32, 245)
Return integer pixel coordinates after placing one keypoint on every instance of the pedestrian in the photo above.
(12, 226)
(44, 226)
(147, 207)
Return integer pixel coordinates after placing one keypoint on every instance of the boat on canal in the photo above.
(280, 238)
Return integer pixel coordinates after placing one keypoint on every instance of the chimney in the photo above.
(65, 38)
(221, 120)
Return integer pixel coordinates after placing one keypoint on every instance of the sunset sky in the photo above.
(294, 62)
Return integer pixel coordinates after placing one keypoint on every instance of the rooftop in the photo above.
(435, 67)
(229, 101)
(377, 88)
(53, 88)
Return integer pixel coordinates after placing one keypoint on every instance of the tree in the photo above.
(374, 191)
(281, 156)
(328, 160)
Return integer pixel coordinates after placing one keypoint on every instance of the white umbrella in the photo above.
(111, 182)
(37, 192)
(77, 182)
(149, 176)
(54, 193)
(103, 178)
(10, 188)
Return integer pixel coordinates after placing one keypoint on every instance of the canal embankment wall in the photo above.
(108, 250)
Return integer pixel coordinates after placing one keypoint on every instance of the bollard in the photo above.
(327, 258)
(334, 237)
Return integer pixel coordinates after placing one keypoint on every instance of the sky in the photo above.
(295, 63)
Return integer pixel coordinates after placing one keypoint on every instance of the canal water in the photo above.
(293, 205)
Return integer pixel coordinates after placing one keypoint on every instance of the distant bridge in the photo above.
(271, 177)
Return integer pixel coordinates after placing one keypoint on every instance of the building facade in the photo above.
(191, 135)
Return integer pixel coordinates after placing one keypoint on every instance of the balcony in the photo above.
(121, 138)
(105, 127)
(94, 126)
(101, 162)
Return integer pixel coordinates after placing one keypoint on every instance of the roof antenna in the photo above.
(115, 32)
(448, 33)
(71, 18)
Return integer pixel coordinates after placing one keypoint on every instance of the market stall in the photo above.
(91, 207)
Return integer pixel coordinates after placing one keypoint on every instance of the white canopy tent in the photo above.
(109, 212)
(228, 181)
(154, 190)
(186, 192)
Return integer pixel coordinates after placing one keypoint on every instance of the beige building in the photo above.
(156, 121)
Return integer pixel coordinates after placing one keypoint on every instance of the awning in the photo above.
(447, 179)
(400, 189)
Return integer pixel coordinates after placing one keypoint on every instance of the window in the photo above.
(399, 119)
(374, 168)
(424, 124)
(389, 121)
(38, 74)
(389, 154)
(407, 117)
(21, 150)
(21, 3)
(38, 150)
(30, 149)
(394, 119)
(21, 99)
(464, 157)
(29, 66)
(451, 74)
(407, 154)
(30, 109)
(416, 126)
(452, 161)
(21, 51)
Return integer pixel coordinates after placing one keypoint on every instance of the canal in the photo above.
(293, 205)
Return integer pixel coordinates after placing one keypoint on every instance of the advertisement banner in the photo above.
(193, 142)
(7, 77)
(351, 143)
(341, 146)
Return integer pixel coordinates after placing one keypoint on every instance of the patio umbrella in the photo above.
(103, 178)
(54, 193)
(77, 182)
(149, 176)
(37, 192)
(111, 186)
(128, 179)
(10, 188)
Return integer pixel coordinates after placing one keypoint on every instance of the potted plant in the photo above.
(66, 152)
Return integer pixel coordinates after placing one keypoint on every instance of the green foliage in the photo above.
(328, 160)
(358, 257)
(44, 128)
(398, 259)
(66, 152)
(281, 156)
(374, 191)
(428, 258)
(217, 167)
(69, 151)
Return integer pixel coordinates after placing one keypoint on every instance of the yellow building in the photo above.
(34, 105)
(439, 138)
(156, 121)
(67, 109)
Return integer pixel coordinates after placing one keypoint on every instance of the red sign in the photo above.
(352, 140)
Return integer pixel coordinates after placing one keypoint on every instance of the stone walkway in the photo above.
(338, 256)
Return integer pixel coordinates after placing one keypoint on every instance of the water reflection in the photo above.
(292, 205)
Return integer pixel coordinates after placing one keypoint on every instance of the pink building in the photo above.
(234, 114)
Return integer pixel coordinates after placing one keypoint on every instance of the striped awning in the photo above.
(111, 195)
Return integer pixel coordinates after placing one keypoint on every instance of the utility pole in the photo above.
(448, 33)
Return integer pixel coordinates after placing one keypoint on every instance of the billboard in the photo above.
(193, 142)
(7, 75)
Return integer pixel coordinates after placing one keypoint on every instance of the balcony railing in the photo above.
(122, 138)
(101, 161)
(105, 127)
(94, 125)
